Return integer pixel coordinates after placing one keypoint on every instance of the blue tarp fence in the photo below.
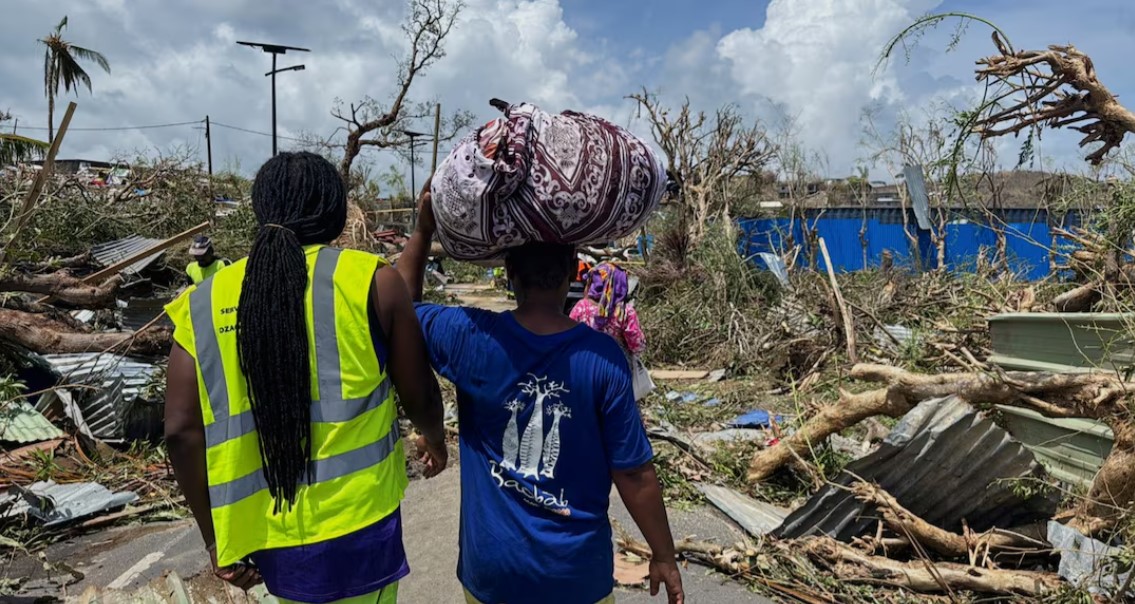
(859, 238)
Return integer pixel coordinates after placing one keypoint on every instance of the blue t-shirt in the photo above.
(544, 420)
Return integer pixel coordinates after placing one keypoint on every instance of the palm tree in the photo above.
(15, 148)
(61, 66)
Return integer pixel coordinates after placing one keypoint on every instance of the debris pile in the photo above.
(85, 272)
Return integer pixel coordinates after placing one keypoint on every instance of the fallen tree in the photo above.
(972, 546)
(64, 287)
(1094, 396)
(41, 333)
(1054, 88)
(924, 576)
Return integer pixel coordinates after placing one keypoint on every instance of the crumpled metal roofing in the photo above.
(139, 312)
(21, 423)
(54, 504)
(119, 381)
(756, 517)
(944, 462)
(1090, 564)
(114, 251)
(1071, 449)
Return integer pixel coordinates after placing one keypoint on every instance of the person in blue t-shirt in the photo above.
(548, 421)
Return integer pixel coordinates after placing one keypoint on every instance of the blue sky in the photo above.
(807, 63)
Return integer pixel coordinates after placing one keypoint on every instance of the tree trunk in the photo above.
(1094, 396)
(923, 576)
(50, 115)
(945, 543)
(64, 288)
(1080, 299)
(1112, 494)
(44, 335)
(831, 419)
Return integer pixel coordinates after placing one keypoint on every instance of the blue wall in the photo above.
(857, 239)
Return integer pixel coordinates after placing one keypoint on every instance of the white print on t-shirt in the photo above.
(536, 452)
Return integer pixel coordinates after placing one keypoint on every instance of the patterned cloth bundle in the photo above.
(533, 176)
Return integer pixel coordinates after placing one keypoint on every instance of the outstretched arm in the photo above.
(412, 263)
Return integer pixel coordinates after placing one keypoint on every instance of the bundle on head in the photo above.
(299, 199)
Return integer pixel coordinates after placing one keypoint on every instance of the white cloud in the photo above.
(170, 64)
(815, 58)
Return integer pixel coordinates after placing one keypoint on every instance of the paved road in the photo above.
(130, 557)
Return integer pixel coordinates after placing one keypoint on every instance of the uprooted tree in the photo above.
(704, 154)
(372, 123)
(1054, 88)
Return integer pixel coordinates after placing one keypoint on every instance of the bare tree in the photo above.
(704, 154)
(371, 123)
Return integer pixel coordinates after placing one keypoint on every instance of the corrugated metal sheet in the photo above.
(919, 199)
(54, 504)
(776, 265)
(1072, 450)
(102, 411)
(1090, 564)
(21, 423)
(1063, 342)
(859, 238)
(944, 463)
(115, 251)
(138, 313)
(756, 517)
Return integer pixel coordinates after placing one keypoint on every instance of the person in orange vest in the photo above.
(583, 268)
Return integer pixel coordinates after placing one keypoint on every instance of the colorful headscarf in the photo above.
(607, 285)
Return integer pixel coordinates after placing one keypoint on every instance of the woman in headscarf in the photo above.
(605, 308)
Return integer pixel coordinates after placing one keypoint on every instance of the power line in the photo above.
(246, 130)
(170, 125)
(120, 128)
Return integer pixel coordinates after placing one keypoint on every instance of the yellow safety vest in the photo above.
(198, 273)
(358, 468)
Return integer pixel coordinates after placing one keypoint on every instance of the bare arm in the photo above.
(185, 438)
(409, 366)
(412, 262)
(642, 495)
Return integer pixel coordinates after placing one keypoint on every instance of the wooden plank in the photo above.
(117, 267)
(40, 180)
(678, 374)
(841, 306)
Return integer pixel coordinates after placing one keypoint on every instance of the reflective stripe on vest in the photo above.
(331, 407)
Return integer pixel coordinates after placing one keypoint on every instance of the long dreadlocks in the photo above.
(299, 199)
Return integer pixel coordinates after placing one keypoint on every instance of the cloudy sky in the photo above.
(805, 62)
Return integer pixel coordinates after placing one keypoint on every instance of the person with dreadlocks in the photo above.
(548, 421)
(280, 410)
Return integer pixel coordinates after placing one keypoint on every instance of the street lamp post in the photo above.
(274, 50)
(413, 183)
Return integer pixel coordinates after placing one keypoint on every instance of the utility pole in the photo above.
(275, 50)
(437, 137)
(209, 145)
(413, 183)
